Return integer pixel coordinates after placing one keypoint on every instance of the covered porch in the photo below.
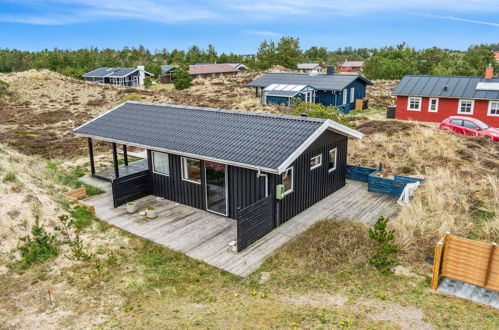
(127, 168)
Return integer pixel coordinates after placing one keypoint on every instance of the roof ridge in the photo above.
(236, 112)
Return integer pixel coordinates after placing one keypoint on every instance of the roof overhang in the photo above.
(327, 125)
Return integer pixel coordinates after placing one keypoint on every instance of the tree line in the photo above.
(392, 62)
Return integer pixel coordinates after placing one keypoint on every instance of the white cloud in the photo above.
(264, 33)
(460, 19)
(175, 11)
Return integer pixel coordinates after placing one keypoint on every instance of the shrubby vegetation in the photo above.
(384, 63)
(183, 79)
(317, 110)
(3, 88)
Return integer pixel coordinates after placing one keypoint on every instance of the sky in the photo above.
(239, 26)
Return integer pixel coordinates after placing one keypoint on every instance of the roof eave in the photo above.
(180, 153)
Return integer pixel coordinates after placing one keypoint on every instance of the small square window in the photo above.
(332, 160)
(287, 180)
(466, 107)
(414, 104)
(315, 162)
(191, 170)
(493, 108)
(160, 163)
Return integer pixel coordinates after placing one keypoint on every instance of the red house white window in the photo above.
(466, 107)
(493, 108)
(414, 104)
(433, 105)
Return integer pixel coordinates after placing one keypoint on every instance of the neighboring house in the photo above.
(167, 72)
(351, 66)
(340, 90)
(201, 71)
(497, 56)
(288, 94)
(118, 76)
(241, 67)
(434, 98)
(233, 163)
(309, 67)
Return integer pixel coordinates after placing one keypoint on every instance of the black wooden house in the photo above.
(260, 169)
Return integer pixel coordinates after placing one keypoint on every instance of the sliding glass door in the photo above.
(216, 187)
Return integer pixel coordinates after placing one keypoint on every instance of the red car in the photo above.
(470, 126)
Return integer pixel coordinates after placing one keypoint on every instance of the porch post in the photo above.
(115, 162)
(91, 154)
(256, 91)
(125, 154)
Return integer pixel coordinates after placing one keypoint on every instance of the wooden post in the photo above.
(91, 154)
(256, 91)
(489, 266)
(437, 263)
(125, 154)
(115, 162)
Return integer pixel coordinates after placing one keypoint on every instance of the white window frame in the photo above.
(436, 105)
(489, 112)
(292, 179)
(154, 162)
(184, 171)
(335, 159)
(352, 94)
(409, 103)
(345, 92)
(460, 106)
(317, 165)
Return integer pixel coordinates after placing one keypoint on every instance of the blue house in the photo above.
(340, 90)
(287, 94)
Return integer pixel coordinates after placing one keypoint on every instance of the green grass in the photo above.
(38, 247)
(372, 110)
(71, 178)
(9, 177)
(82, 217)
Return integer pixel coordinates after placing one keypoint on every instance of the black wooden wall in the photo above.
(131, 187)
(310, 186)
(172, 187)
(245, 188)
(254, 222)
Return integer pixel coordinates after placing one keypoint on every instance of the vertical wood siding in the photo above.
(310, 186)
(245, 188)
(172, 187)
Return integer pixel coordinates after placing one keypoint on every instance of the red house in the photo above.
(434, 98)
(351, 66)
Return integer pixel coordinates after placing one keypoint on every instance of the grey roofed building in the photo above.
(254, 140)
(308, 66)
(325, 82)
(448, 86)
(167, 68)
(112, 72)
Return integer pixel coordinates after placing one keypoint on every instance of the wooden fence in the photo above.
(467, 261)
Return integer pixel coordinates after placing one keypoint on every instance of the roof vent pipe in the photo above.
(330, 70)
(446, 88)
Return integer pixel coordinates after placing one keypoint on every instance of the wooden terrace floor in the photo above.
(206, 236)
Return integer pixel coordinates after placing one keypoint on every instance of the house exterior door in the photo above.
(216, 187)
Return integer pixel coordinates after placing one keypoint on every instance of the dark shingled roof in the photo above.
(457, 87)
(321, 81)
(256, 140)
(112, 72)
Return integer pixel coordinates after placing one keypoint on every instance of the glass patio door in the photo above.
(216, 187)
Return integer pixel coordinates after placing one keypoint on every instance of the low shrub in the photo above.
(9, 177)
(317, 110)
(383, 258)
(82, 217)
(38, 247)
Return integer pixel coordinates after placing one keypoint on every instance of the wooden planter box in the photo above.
(392, 186)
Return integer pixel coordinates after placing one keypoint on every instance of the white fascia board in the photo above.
(327, 125)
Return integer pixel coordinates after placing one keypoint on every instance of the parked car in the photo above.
(470, 126)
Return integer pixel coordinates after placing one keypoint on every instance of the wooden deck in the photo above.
(206, 236)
